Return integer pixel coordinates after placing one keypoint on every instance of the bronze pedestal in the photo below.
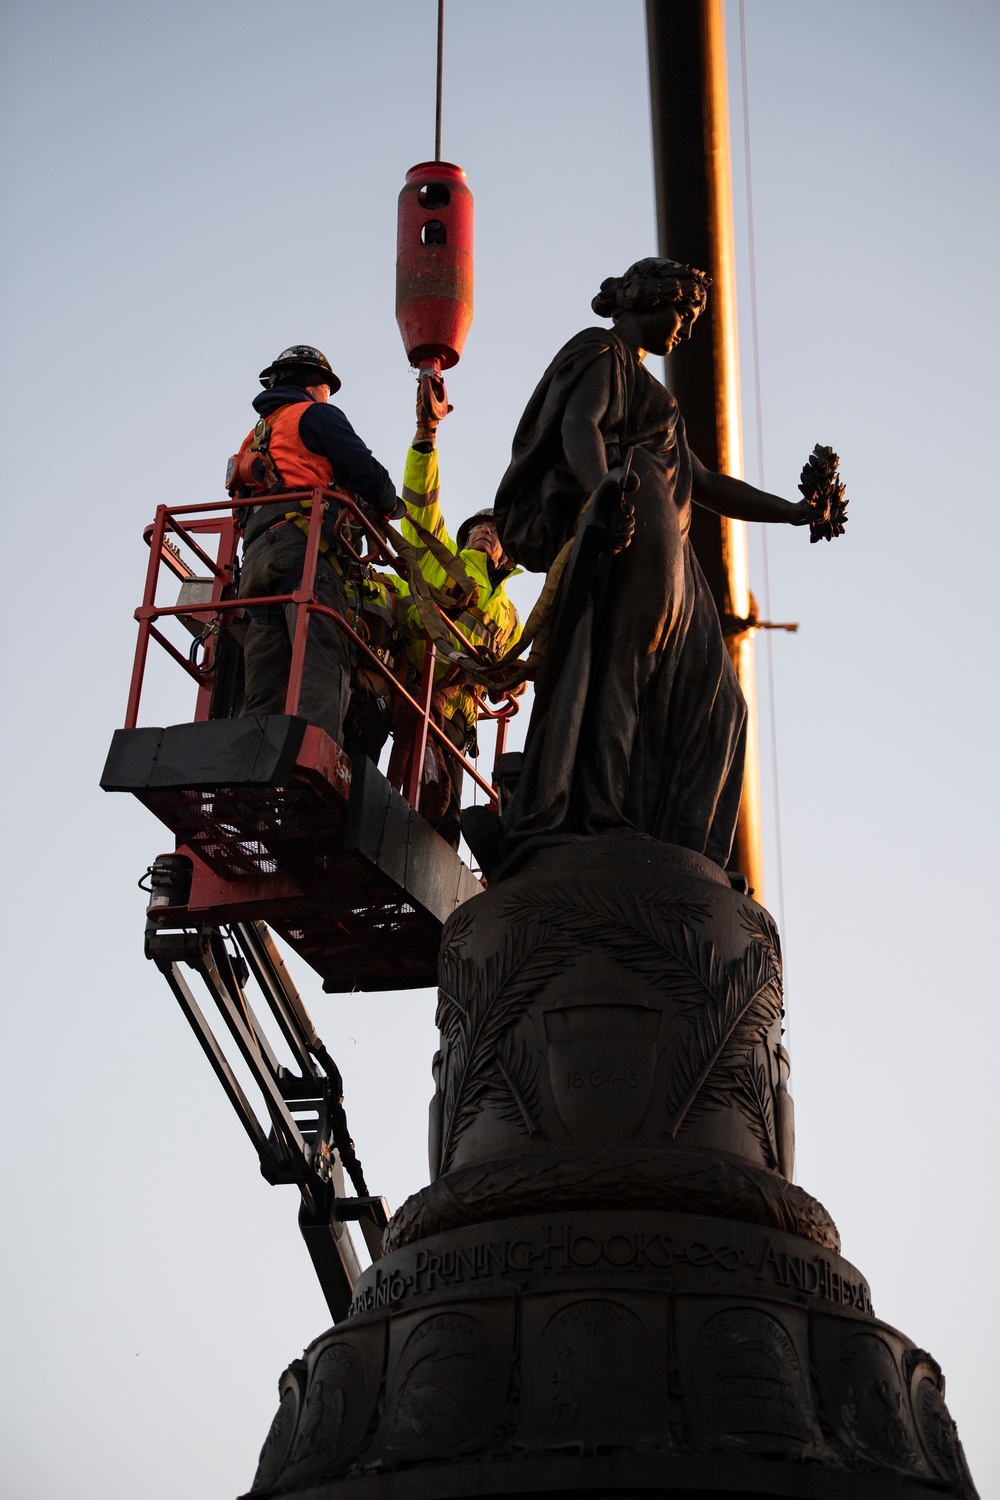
(610, 1285)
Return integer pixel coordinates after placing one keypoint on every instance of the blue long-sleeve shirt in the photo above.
(326, 431)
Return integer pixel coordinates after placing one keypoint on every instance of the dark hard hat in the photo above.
(294, 358)
(466, 528)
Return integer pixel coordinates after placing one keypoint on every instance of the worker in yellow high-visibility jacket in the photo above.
(490, 620)
(375, 603)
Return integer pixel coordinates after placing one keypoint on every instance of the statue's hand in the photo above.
(823, 489)
(610, 508)
(801, 512)
(622, 526)
(610, 498)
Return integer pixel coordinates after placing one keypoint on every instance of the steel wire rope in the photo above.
(440, 80)
(765, 570)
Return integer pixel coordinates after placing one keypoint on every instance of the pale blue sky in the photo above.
(190, 187)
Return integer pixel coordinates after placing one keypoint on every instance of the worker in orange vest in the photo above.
(304, 443)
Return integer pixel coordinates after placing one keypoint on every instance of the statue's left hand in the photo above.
(823, 490)
(801, 512)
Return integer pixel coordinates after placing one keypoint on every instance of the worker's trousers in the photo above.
(441, 779)
(273, 565)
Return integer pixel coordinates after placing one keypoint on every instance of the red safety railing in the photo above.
(188, 522)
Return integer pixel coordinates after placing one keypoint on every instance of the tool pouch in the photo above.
(248, 472)
(253, 472)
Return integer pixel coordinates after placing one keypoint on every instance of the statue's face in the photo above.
(665, 327)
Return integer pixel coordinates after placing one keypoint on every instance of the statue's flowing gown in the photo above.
(643, 730)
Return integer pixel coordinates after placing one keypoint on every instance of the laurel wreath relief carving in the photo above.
(727, 1006)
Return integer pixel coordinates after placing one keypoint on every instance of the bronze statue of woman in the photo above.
(639, 726)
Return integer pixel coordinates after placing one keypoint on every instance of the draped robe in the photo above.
(643, 729)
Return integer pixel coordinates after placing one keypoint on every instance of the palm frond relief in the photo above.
(723, 1036)
(761, 928)
(727, 1006)
(755, 1096)
(477, 1007)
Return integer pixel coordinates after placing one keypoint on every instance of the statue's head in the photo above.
(655, 304)
(652, 284)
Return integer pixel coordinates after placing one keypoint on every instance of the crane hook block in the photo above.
(434, 264)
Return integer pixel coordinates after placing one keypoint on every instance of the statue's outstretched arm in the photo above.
(734, 497)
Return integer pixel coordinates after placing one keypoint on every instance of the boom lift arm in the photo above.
(308, 1142)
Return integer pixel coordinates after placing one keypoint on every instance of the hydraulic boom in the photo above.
(306, 1140)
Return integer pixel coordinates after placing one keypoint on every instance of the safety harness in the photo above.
(253, 471)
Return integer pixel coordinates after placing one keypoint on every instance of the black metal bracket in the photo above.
(376, 1209)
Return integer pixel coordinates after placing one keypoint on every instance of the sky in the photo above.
(190, 188)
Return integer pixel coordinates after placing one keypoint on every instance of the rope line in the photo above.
(440, 81)
(755, 346)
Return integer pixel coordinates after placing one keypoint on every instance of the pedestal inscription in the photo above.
(640, 1338)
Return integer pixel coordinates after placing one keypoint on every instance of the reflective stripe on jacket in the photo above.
(492, 623)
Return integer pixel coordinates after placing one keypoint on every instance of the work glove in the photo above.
(432, 407)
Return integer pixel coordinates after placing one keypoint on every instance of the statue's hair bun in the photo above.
(651, 283)
(607, 302)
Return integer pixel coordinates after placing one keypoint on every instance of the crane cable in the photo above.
(755, 345)
(440, 81)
